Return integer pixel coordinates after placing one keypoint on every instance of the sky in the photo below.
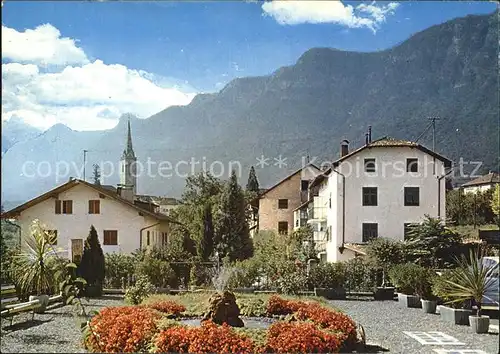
(85, 63)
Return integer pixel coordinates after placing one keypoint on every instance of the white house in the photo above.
(377, 190)
(123, 222)
(481, 184)
(70, 209)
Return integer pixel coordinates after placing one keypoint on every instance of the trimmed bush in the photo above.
(407, 277)
(92, 265)
(327, 275)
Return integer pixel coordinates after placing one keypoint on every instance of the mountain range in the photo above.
(448, 70)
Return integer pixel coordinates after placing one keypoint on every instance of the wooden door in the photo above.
(76, 249)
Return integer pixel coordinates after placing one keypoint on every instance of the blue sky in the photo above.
(200, 46)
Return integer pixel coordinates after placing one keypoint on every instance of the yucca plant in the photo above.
(33, 272)
(471, 280)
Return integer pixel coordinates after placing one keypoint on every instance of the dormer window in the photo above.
(369, 165)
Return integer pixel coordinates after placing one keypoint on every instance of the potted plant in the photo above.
(383, 254)
(33, 269)
(327, 280)
(471, 281)
(424, 291)
(453, 312)
(405, 277)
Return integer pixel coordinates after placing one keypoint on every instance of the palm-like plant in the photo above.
(471, 280)
(32, 271)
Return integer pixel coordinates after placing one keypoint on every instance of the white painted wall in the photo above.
(114, 216)
(475, 189)
(390, 178)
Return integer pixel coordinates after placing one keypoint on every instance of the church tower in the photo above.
(128, 166)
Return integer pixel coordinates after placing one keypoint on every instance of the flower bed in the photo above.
(308, 327)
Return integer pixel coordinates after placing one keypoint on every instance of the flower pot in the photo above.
(44, 302)
(455, 316)
(331, 293)
(384, 293)
(479, 324)
(429, 306)
(411, 301)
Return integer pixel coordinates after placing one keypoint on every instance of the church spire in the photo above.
(129, 151)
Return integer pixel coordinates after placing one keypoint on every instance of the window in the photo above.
(283, 227)
(369, 165)
(370, 196)
(110, 237)
(304, 185)
(282, 203)
(58, 206)
(51, 237)
(407, 229)
(329, 234)
(147, 239)
(67, 207)
(411, 165)
(297, 223)
(370, 231)
(94, 206)
(164, 239)
(412, 196)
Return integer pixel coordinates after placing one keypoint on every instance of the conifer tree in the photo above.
(233, 233)
(92, 266)
(253, 183)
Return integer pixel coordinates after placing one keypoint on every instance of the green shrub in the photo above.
(424, 283)
(157, 270)
(292, 279)
(327, 275)
(92, 266)
(246, 273)
(118, 267)
(407, 277)
(360, 275)
(141, 290)
(252, 306)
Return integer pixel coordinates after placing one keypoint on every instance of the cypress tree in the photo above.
(92, 266)
(253, 183)
(234, 235)
(207, 241)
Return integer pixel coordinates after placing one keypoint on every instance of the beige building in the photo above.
(70, 209)
(481, 184)
(277, 204)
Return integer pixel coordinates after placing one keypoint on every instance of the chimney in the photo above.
(369, 133)
(366, 139)
(126, 192)
(344, 148)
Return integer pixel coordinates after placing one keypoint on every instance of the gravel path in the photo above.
(384, 323)
(56, 331)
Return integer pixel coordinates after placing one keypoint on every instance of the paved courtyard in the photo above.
(405, 330)
(386, 325)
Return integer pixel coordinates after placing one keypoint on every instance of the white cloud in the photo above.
(43, 45)
(87, 96)
(291, 12)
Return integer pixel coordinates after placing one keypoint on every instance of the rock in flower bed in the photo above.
(306, 327)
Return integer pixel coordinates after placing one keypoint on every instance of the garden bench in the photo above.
(11, 310)
(8, 296)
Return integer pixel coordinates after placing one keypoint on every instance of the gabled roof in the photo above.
(288, 177)
(391, 142)
(490, 178)
(76, 182)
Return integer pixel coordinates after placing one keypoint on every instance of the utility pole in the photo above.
(433, 120)
(84, 162)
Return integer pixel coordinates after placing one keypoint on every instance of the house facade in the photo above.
(70, 209)
(378, 190)
(277, 204)
(482, 184)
